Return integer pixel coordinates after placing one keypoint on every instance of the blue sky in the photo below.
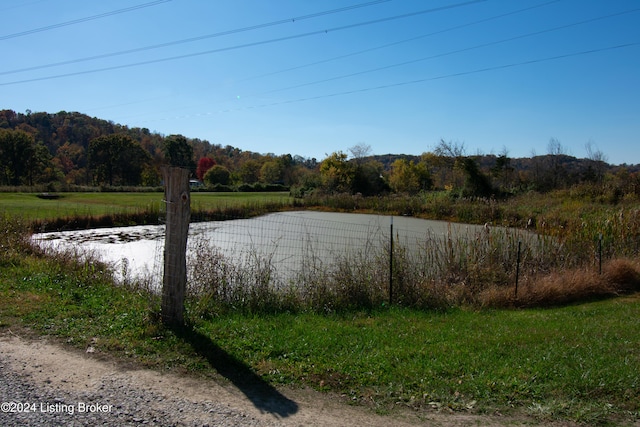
(313, 77)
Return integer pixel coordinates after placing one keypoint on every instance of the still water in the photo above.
(286, 239)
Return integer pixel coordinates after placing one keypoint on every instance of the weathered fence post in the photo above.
(177, 198)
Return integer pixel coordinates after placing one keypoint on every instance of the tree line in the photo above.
(67, 149)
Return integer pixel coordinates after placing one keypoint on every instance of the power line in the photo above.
(80, 20)
(483, 45)
(253, 44)
(384, 46)
(464, 73)
(427, 79)
(198, 38)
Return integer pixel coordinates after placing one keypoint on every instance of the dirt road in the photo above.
(59, 385)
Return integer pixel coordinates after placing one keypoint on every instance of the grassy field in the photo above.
(576, 362)
(30, 207)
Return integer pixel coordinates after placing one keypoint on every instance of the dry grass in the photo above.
(619, 276)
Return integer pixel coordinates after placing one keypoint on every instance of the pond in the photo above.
(287, 240)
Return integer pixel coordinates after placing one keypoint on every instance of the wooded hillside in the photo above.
(67, 149)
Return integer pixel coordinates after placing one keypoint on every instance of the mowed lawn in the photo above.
(29, 207)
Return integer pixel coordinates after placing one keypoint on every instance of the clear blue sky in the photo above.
(398, 75)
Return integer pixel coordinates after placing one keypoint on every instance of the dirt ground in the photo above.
(42, 360)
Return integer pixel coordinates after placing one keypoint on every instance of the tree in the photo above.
(597, 163)
(502, 171)
(408, 177)
(204, 164)
(368, 179)
(217, 174)
(17, 150)
(117, 160)
(336, 173)
(449, 155)
(476, 183)
(271, 171)
(360, 151)
(178, 152)
(41, 168)
(249, 172)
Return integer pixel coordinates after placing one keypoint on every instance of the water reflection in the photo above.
(286, 239)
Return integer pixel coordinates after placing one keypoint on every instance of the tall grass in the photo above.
(576, 363)
(83, 210)
(560, 254)
(477, 269)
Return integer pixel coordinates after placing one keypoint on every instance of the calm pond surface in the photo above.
(286, 239)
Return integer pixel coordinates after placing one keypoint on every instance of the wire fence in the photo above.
(343, 255)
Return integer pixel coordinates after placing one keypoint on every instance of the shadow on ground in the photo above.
(263, 395)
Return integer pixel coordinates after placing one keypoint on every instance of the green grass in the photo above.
(30, 207)
(575, 362)
(571, 363)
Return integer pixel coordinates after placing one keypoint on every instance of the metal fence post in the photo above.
(518, 267)
(391, 263)
(600, 254)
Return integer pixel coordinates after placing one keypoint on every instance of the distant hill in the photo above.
(571, 164)
(67, 135)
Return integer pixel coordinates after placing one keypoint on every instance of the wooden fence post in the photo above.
(177, 199)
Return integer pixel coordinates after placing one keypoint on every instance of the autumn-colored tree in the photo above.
(204, 164)
(409, 177)
(271, 171)
(248, 172)
(337, 173)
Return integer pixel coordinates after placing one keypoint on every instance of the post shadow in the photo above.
(262, 394)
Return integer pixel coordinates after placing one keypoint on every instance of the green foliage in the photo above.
(476, 183)
(22, 161)
(271, 171)
(336, 173)
(575, 363)
(117, 160)
(340, 175)
(409, 178)
(217, 175)
(178, 152)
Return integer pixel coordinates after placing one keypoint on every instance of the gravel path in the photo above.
(46, 384)
(34, 395)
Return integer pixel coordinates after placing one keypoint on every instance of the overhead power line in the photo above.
(462, 73)
(384, 46)
(253, 44)
(423, 80)
(80, 20)
(198, 38)
(467, 49)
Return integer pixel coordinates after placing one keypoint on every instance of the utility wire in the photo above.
(80, 20)
(253, 44)
(462, 73)
(427, 79)
(384, 46)
(198, 38)
(483, 45)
